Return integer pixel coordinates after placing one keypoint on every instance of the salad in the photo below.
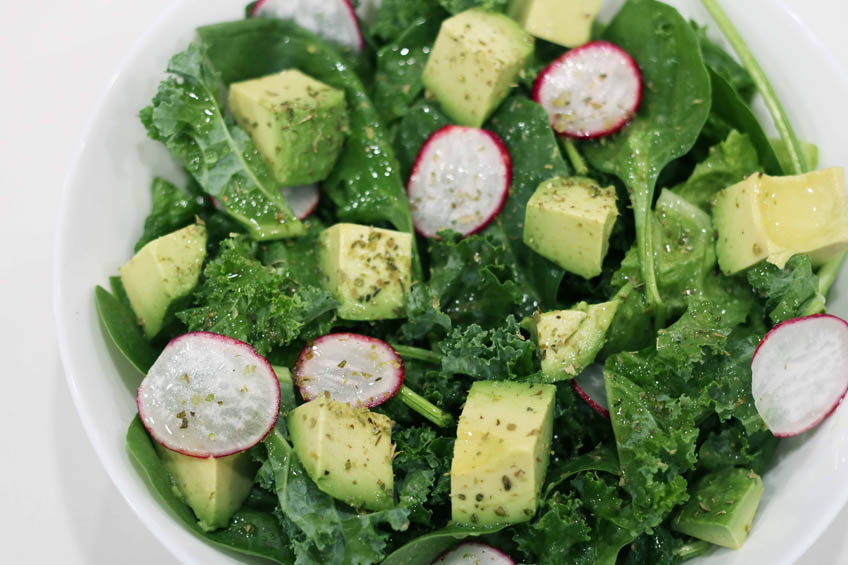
(475, 281)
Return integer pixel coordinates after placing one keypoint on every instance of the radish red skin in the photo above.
(838, 401)
(224, 339)
(505, 158)
(589, 400)
(537, 86)
(399, 371)
(347, 4)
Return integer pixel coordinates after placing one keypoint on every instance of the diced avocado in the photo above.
(569, 221)
(162, 272)
(474, 63)
(501, 452)
(721, 507)
(347, 451)
(774, 218)
(569, 340)
(367, 269)
(297, 123)
(215, 487)
(564, 22)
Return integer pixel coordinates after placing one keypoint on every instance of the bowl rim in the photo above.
(162, 530)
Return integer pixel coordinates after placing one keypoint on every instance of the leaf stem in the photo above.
(424, 407)
(577, 161)
(827, 276)
(692, 550)
(417, 353)
(778, 114)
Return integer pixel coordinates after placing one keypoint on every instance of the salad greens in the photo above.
(676, 357)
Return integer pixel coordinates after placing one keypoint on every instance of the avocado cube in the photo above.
(367, 269)
(569, 340)
(346, 451)
(501, 452)
(569, 221)
(215, 487)
(774, 218)
(162, 272)
(297, 123)
(721, 507)
(475, 62)
(564, 22)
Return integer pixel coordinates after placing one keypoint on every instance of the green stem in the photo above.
(577, 161)
(424, 407)
(692, 550)
(827, 276)
(781, 121)
(417, 353)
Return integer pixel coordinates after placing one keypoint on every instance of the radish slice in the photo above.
(352, 368)
(332, 19)
(208, 395)
(473, 553)
(590, 386)
(460, 181)
(302, 199)
(590, 91)
(800, 373)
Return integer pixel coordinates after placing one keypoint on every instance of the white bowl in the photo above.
(106, 199)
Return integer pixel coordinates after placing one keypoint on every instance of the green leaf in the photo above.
(423, 316)
(122, 326)
(187, 117)
(420, 122)
(675, 106)
(561, 526)
(457, 6)
(732, 446)
(720, 60)
(172, 209)
(424, 549)
(786, 291)
(726, 164)
(365, 185)
(396, 16)
(296, 259)
(251, 531)
(240, 297)
(729, 106)
(809, 150)
(400, 65)
(496, 354)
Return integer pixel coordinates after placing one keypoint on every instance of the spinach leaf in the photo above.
(240, 297)
(726, 164)
(121, 324)
(395, 16)
(524, 126)
(252, 531)
(172, 209)
(675, 106)
(365, 185)
(186, 116)
(729, 106)
(457, 6)
(322, 530)
(722, 63)
(786, 291)
(423, 550)
(420, 122)
(400, 65)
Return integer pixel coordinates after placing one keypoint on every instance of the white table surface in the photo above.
(56, 502)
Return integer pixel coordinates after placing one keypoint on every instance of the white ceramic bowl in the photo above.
(106, 199)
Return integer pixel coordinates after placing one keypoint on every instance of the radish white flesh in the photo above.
(208, 395)
(590, 91)
(460, 181)
(800, 373)
(352, 368)
(332, 19)
(590, 386)
(302, 199)
(473, 553)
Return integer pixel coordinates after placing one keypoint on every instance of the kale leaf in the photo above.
(172, 209)
(500, 353)
(786, 290)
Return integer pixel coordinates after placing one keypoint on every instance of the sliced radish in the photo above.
(460, 181)
(332, 19)
(590, 91)
(208, 395)
(800, 373)
(302, 199)
(590, 386)
(352, 368)
(473, 553)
